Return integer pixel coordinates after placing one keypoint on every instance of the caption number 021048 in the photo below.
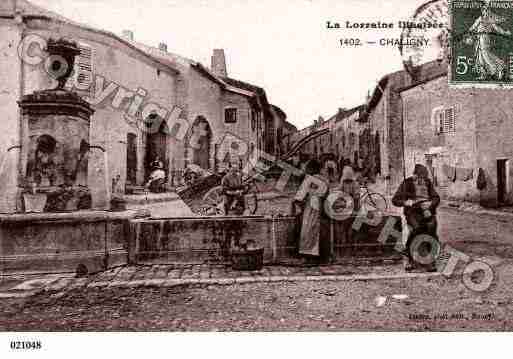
(26, 345)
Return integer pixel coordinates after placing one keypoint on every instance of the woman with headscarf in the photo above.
(349, 183)
(420, 200)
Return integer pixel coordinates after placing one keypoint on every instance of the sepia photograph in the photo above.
(245, 166)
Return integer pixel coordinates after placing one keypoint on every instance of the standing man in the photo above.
(420, 200)
(233, 191)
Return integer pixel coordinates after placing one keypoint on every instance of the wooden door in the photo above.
(501, 181)
(131, 158)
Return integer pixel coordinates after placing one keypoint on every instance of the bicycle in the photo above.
(214, 200)
(372, 201)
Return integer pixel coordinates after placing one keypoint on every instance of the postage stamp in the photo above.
(482, 43)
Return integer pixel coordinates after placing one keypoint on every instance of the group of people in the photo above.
(416, 194)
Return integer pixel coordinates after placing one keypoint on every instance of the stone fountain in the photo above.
(52, 173)
(55, 145)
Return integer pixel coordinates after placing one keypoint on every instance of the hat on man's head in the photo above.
(421, 171)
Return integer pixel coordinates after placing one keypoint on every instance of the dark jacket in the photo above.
(407, 191)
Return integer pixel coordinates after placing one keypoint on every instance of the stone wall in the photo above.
(483, 135)
(45, 243)
(206, 98)
(242, 128)
(10, 87)
(210, 240)
(494, 138)
(386, 119)
(456, 150)
(195, 240)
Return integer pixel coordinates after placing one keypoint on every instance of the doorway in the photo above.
(131, 159)
(431, 166)
(502, 181)
(198, 144)
(156, 145)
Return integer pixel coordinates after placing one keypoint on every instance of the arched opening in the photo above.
(41, 168)
(198, 144)
(156, 144)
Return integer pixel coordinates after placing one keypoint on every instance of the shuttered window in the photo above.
(445, 120)
(83, 69)
(449, 120)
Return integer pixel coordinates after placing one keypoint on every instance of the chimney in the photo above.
(163, 46)
(128, 35)
(218, 66)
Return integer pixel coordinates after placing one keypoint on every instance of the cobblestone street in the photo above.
(338, 297)
(407, 304)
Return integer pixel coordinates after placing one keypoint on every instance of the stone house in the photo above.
(147, 102)
(346, 128)
(283, 131)
(458, 133)
(319, 145)
(384, 112)
(213, 102)
(348, 133)
(343, 139)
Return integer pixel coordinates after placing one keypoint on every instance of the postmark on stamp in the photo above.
(434, 16)
(481, 43)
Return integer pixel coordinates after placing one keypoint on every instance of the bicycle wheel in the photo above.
(375, 202)
(213, 202)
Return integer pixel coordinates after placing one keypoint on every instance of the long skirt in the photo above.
(310, 231)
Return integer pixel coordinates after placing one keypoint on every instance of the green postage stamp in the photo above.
(481, 42)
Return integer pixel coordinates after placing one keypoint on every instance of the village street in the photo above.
(363, 301)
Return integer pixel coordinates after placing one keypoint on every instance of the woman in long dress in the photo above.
(312, 218)
(486, 29)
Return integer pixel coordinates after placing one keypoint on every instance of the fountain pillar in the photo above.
(55, 141)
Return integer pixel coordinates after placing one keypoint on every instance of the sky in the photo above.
(280, 45)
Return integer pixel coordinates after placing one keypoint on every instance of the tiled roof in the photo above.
(163, 55)
(27, 9)
(167, 59)
(400, 80)
(260, 92)
(244, 85)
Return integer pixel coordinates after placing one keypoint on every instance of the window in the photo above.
(448, 124)
(82, 77)
(444, 120)
(84, 67)
(230, 115)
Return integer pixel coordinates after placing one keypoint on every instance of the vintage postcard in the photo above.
(255, 166)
